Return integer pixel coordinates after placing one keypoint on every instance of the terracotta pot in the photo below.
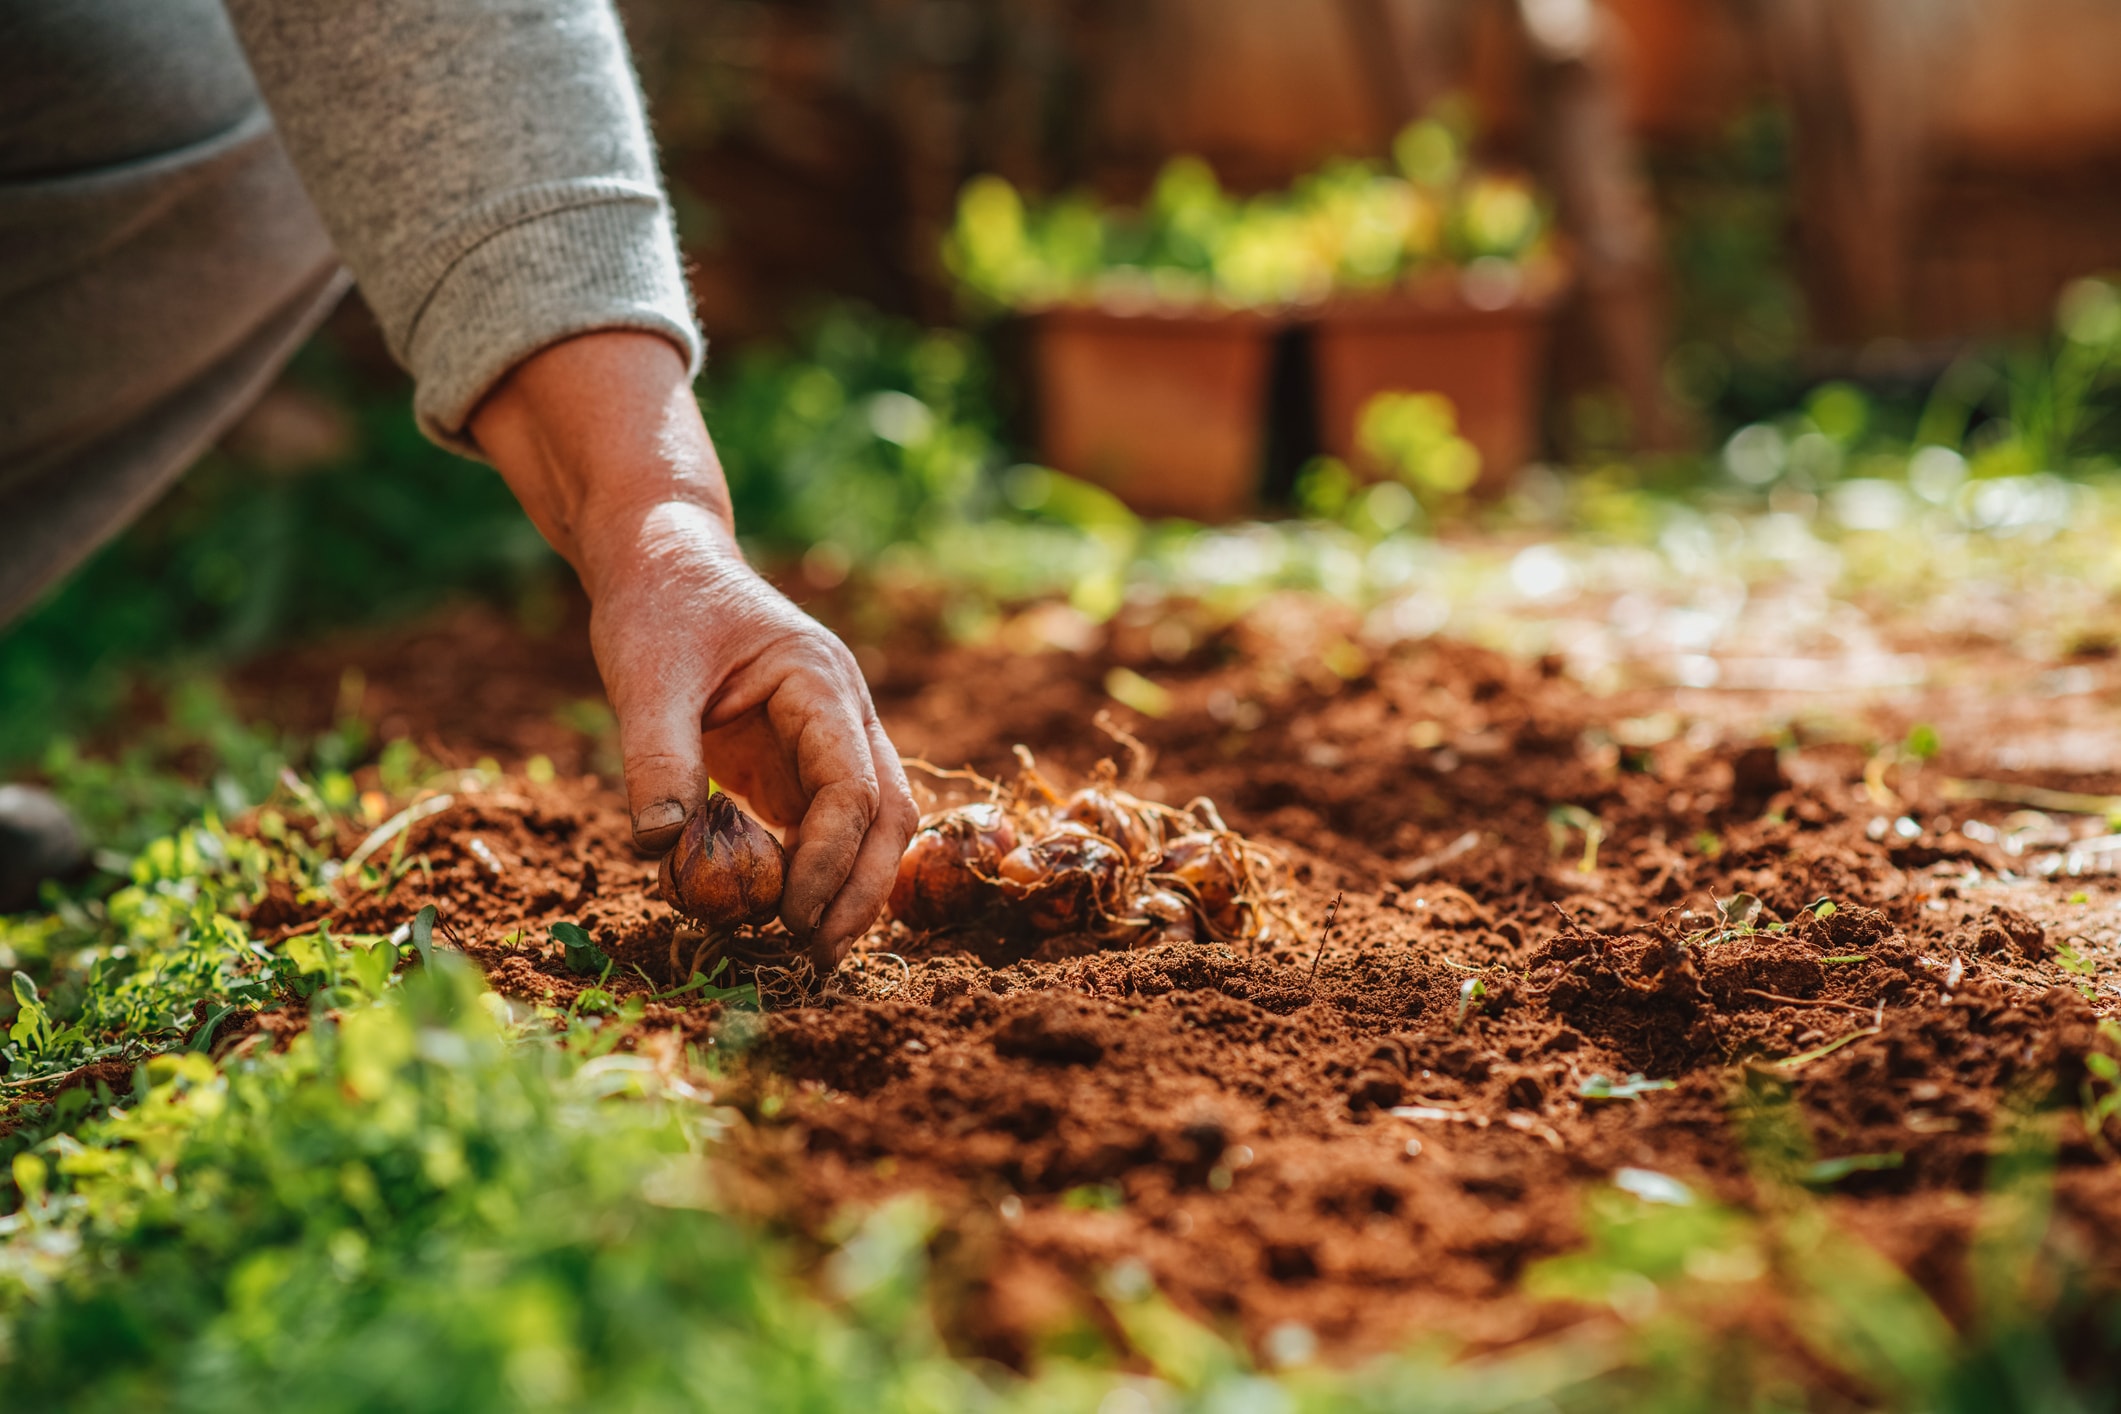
(1166, 410)
(1488, 362)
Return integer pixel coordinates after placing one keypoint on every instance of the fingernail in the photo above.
(659, 816)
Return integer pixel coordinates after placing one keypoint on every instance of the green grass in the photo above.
(410, 1210)
(433, 1200)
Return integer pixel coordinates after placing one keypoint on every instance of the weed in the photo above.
(584, 957)
(1095, 1198)
(1471, 993)
(1564, 820)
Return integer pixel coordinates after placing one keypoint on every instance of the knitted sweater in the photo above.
(484, 169)
(180, 182)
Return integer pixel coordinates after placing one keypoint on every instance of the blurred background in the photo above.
(1045, 301)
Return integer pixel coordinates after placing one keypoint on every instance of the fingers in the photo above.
(823, 733)
(869, 882)
(665, 778)
(780, 711)
(860, 813)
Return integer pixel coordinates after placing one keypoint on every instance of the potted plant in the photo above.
(1462, 308)
(1150, 333)
(1152, 328)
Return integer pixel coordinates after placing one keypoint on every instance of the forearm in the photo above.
(484, 167)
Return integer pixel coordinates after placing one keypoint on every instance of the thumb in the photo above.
(665, 776)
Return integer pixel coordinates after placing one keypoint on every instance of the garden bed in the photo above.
(1341, 1148)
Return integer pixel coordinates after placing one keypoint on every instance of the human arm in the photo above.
(484, 168)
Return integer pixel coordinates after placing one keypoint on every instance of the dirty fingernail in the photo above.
(660, 816)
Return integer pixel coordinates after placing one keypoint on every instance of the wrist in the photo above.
(662, 536)
(600, 439)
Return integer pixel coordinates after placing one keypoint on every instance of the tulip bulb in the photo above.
(727, 870)
(1065, 881)
(1211, 868)
(1167, 917)
(947, 875)
(1104, 812)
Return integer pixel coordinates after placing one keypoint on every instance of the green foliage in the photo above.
(1565, 820)
(1739, 315)
(418, 1207)
(125, 974)
(1668, 1260)
(1471, 993)
(1984, 451)
(2100, 1091)
(2047, 407)
(869, 433)
(584, 957)
(1351, 225)
(427, 1203)
(407, 1211)
(1095, 1198)
(1634, 1087)
(159, 948)
(1416, 436)
(200, 756)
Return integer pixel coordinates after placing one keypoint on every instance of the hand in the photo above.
(711, 670)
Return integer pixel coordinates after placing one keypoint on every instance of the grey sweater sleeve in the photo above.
(484, 168)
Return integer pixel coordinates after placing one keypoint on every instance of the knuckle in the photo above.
(843, 658)
(863, 797)
(856, 794)
(826, 654)
(900, 815)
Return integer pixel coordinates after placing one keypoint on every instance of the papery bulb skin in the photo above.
(1065, 881)
(1168, 917)
(1210, 868)
(990, 825)
(727, 870)
(1103, 812)
(947, 875)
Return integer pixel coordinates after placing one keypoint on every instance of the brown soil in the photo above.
(1225, 1114)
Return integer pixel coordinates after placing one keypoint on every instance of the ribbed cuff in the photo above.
(539, 266)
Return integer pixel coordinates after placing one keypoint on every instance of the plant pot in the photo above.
(1166, 410)
(1488, 362)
